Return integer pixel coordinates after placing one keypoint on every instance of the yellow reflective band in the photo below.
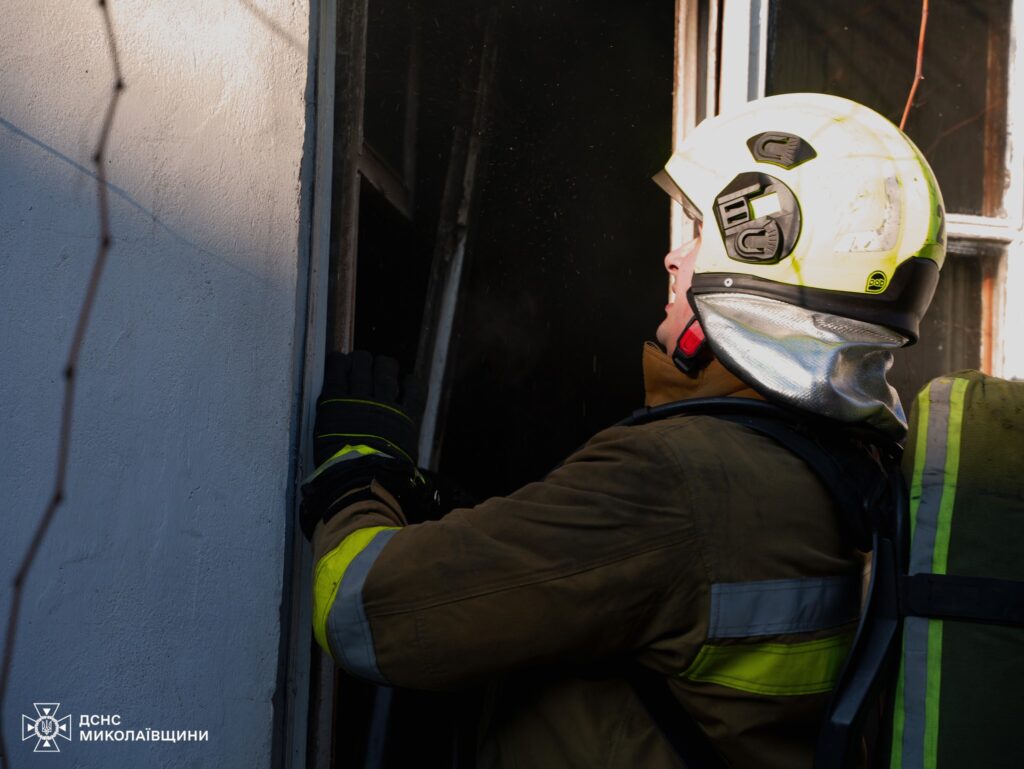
(348, 449)
(365, 451)
(330, 571)
(396, 447)
(340, 455)
(920, 451)
(944, 525)
(899, 716)
(811, 667)
(940, 559)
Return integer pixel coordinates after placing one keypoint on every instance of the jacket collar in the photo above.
(664, 383)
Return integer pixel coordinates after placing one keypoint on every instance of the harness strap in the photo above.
(971, 599)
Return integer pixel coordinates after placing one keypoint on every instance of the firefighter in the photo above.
(703, 551)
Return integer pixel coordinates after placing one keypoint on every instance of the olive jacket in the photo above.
(695, 546)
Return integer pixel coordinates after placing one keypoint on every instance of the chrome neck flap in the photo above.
(821, 363)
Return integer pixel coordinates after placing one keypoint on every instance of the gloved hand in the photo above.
(360, 406)
(364, 431)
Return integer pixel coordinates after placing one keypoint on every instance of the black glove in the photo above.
(364, 431)
(360, 406)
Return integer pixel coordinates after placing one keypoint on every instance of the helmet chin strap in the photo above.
(692, 353)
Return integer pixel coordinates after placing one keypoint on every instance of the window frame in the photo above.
(343, 157)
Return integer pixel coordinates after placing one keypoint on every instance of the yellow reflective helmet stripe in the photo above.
(809, 667)
(330, 571)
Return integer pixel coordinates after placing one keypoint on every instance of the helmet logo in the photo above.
(877, 281)
(759, 218)
(780, 149)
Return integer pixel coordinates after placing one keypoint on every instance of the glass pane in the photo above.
(866, 51)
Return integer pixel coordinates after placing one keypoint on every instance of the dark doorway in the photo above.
(566, 281)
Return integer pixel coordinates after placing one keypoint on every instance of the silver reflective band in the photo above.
(778, 606)
(915, 691)
(933, 479)
(348, 630)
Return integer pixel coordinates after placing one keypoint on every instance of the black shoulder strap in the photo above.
(825, 448)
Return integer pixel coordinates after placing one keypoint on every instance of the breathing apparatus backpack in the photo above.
(942, 634)
(935, 676)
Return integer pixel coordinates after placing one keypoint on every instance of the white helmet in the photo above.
(822, 242)
(813, 200)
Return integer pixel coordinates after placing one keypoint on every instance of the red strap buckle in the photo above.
(692, 353)
(691, 339)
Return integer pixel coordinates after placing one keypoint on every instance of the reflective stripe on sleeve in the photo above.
(337, 599)
(348, 630)
(940, 409)
(811, 667)
(778, 606)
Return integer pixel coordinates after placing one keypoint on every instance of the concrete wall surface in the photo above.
(157, 595)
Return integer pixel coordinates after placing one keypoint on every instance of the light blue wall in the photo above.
(158, 591)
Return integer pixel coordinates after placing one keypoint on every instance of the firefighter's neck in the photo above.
(664, 383)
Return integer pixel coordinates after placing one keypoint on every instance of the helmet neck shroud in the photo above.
(897, 307)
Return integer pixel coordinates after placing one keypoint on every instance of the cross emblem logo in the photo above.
(46, 727)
